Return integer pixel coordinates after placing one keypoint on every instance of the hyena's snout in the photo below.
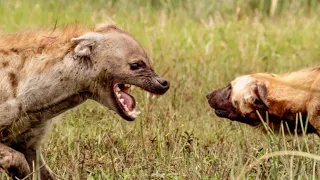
(161, 85)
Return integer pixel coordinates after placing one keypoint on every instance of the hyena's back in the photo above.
(25, 55)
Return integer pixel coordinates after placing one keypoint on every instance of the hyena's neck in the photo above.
(44, 96)
(65, 81)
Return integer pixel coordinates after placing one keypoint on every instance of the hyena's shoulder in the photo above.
(33, 53)
(30, 53)
(9, 73)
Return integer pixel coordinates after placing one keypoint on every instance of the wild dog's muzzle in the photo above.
(220, 101)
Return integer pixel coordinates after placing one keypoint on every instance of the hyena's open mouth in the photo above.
(126, 102)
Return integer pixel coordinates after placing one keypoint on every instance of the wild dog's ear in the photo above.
(260, 90)
(85, 43)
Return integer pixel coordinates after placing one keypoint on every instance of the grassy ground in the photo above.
(198, 46)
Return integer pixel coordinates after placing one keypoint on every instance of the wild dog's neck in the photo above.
(285, 98)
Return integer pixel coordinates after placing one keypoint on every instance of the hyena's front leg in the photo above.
(13, 162)
(46, 172)
(39, 164)
(30, 146)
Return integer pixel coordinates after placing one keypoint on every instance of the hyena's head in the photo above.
(118, 62)
(239, 99)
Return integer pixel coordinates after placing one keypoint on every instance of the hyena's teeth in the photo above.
(133, 113)
(132, 87)
(127, 85)
(126, 108)
(118, 94)
(117, 89)
(153, 96)
(121, 100)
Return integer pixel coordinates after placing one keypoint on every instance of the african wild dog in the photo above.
(282, 96)
(47, 72)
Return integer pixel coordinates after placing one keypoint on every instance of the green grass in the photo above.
(198, 46)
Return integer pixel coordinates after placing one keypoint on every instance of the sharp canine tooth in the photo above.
(133, 113)
(132, 87)
(117, 89)
(126, 108)
(118, 95)
(127, 85)
(121, 100)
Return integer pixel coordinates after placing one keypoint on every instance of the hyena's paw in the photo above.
(13, 162)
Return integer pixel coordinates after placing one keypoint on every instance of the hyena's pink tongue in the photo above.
(127, 100)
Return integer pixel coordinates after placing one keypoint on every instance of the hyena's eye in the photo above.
(137, 65)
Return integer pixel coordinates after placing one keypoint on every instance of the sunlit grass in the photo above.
(198, 46)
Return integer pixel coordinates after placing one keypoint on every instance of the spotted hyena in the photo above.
(47, 72)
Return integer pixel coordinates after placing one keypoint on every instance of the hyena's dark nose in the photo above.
(164, 83)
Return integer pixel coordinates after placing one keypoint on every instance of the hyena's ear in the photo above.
(260, 90)
(85, 43)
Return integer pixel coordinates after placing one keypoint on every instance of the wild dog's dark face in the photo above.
(220, 101)
(239, 100)
(246, 96)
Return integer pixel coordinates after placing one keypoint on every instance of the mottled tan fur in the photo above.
(46, 72)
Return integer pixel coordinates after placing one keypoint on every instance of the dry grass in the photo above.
(198, 46)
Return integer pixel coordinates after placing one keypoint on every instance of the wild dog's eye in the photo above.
(137, 65)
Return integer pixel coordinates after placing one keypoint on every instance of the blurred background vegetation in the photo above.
(199, 45)
(48, 11)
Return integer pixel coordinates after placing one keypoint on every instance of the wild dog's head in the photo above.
(118, 61)
(240, 99)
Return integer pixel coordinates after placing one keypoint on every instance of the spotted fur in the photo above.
(46, 72)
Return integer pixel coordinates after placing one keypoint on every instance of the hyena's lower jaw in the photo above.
(125, 102)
